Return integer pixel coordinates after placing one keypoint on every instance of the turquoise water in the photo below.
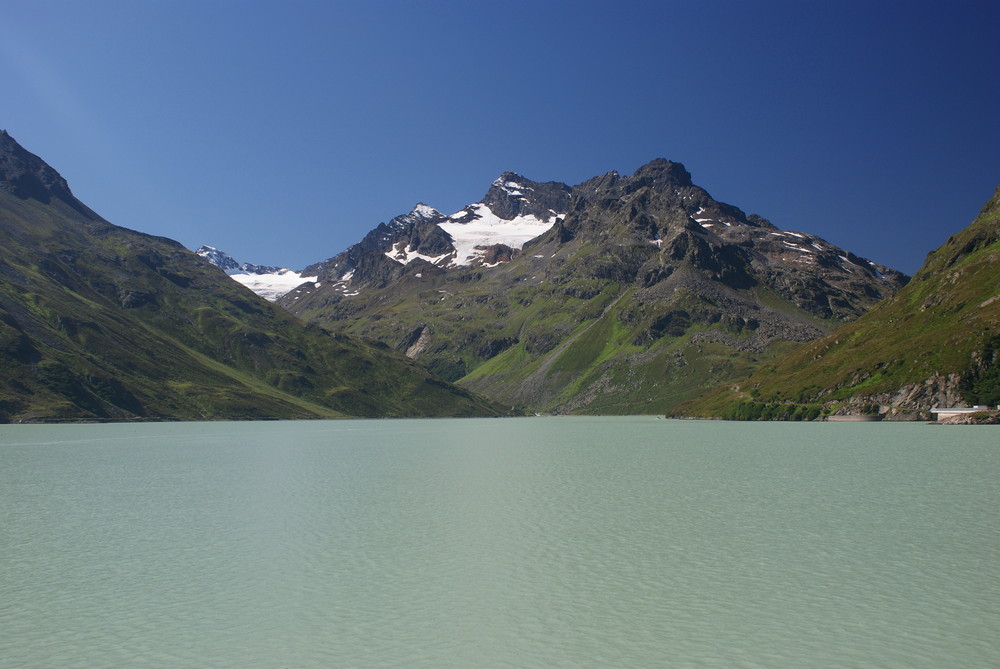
(548, 542)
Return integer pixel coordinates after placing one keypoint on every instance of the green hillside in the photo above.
(937, 341)
(99, 322)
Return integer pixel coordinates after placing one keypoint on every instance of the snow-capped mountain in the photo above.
(618, 294)
(514, 211)
(486, 233)
(268, 282)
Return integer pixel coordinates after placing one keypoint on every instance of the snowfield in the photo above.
(488, 229)
(272, 286)
(268, 284)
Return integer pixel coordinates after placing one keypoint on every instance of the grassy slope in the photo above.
(935, 325)
(577, 346)
(101, 322)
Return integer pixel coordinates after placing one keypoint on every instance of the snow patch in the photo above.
(272, 286)
(797, 247)
(708, 222)
(401, 254)
(487, 229)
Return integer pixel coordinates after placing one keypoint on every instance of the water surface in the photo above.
(550, 542)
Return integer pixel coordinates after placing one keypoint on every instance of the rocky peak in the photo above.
(508, 177)
(419, 215)
(598, 184)
(512, 195)
(661, 173)
(230, 265)
(425, 212)
(642, 228)
(220, 259)
(662, 180)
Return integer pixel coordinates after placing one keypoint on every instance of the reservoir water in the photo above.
(544, 542)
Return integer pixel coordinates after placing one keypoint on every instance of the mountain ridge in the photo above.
(682, 270)
(98, 322)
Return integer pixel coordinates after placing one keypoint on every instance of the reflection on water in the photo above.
(499, 542)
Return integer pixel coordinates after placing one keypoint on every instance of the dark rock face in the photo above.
(659, 174)
(498, 253)
(495, 347)
(512, 195)
(250, 268)
(424, 237)
(381, 256)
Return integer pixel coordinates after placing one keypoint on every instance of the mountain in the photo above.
(935, 343)
(486, 233)
(105, 323)
(622, 294)
(268, 282)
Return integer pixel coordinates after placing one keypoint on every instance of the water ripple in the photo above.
(502, 543)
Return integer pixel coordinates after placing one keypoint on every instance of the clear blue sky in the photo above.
(282, 132)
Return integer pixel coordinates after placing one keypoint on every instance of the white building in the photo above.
(949, 412)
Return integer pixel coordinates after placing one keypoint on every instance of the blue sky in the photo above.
(282, 132)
